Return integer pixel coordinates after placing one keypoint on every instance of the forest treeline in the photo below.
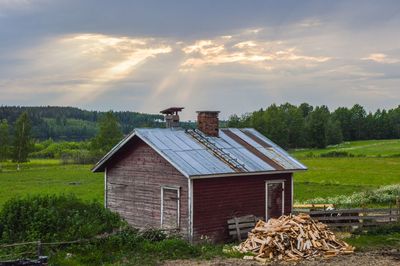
(72, 124)
(288, 125)
(304, 126)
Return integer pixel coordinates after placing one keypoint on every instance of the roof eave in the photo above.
(247, 173)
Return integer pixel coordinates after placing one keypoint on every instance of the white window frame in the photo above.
(178, 189)
(266, 196)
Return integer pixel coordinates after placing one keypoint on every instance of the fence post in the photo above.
(398, 208)
(39, 248)
(362, 214)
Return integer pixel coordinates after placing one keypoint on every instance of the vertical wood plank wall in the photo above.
(134, 183)
(215, 200)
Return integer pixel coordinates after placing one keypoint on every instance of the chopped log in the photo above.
(292, 238)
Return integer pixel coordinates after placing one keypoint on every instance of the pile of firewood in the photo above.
(292, 238)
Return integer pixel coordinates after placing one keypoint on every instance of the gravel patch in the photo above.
(371, 258)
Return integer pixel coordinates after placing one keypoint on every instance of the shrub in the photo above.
(310, 155)
(337, 154)
(382, 195)
(153, 234)
(54, 218)
(79, 157)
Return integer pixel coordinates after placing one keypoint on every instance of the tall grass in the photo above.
(383, 195)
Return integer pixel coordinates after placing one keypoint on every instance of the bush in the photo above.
(153, 234)
(79, 157)
(336, 154)
(382, 195)
(59, 218)
(55, 150)
(54, 218)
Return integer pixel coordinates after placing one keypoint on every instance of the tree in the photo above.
(4, 140)
(316, 126)
(274, 125)
(109, 133)
(305, 109)
(22, 139)
(333, 132)
(343, 115)
(233, 121)
(295, 125)
(357, 122)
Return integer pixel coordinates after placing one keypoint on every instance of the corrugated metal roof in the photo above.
(193, 158)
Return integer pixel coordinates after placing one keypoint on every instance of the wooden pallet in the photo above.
(239, 227)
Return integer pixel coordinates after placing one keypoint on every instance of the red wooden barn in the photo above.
(193, 181)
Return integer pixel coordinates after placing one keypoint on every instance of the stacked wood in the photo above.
(292, 238)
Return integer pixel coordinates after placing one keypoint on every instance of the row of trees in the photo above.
(73, 124)
(302, 126)
(288, 125)
(21, 145)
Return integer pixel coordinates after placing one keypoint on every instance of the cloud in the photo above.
(380, 58)
(310, 22)
(262, 54)
(15, 4)
(83, 66)
(7, 7)
(133, 56)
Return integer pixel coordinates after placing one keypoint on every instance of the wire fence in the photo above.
(39, 246)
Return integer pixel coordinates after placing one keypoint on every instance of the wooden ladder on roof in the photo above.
(220, 153)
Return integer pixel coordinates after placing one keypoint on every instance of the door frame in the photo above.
(178, 190)
(266, 195)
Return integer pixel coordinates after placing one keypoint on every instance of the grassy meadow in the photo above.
(47, 176)
(369, 148)
(377, 165)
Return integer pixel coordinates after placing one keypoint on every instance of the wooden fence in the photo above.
(361, 217)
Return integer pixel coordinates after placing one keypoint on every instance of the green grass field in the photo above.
(369, 148)
(49, 177)
(326, 177)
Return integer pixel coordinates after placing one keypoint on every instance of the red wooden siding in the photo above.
(215, 200)
(134, 182)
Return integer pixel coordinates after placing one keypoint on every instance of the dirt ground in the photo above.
(372, 258)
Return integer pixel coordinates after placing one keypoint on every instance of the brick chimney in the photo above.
(171, 116)
(207, 122)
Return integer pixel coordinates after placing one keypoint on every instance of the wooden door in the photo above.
(274, 195)
(170, 205)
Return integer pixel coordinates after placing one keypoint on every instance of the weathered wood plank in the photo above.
(335, 218)
(134, 187)
(243, 232)
(338, 211)
(245, 219)
(356, 224)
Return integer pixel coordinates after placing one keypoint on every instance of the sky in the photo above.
(232, 56)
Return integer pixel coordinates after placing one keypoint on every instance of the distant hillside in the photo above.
(70, 123)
